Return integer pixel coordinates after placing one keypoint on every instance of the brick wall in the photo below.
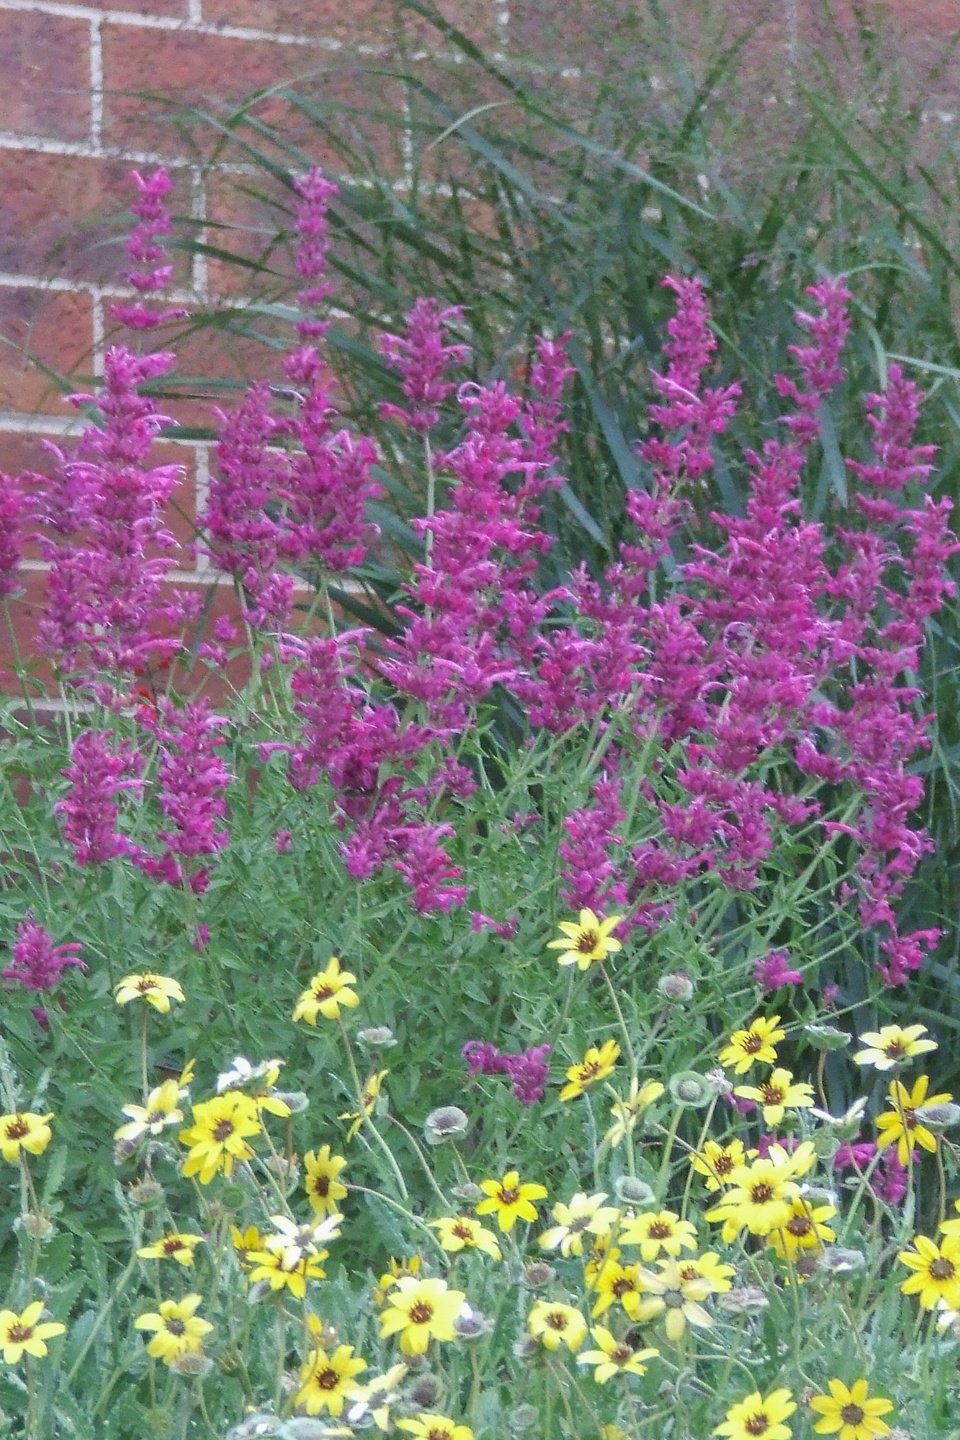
(73, 121)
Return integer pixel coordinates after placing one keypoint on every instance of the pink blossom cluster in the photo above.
(528, 1070)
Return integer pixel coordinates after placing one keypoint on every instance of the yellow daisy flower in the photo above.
(616, 1283)
(614, 1357)
(246, 1243)
(162, 1109)
(328, 1380)
(24, 1130)
(368, 1100)
(596, 1065)
(428, 1426)
(901, 1123)
(157, 990)
(286, 1269)
(25, 1334)
(178, 1329)
(936, 1272)
(657, 1232)
(759, 1418)
(585, 1215)
(328, 991)
(462, 1232)
(509, 1200)
(218, 1136)
(778, 1093)
(627, 1112)
(717, 1162)
(709, 1267)
(555, 1324)
(891, 1045)
(850, 1414)
(322, 1182)
(420, 1311)
(760, 1195)
(172, 1246)
(756, 1042)
(586, 940)
(666, 1293)
(805, 1230)
(375, 1397)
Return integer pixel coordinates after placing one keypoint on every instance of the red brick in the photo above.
(65, 216)
(48, 328)
(362, 22)
(45, 75)
(159, 9)
(215, 73)
(248, 226)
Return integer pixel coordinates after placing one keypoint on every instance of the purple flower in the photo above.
(528, 1070)
(192, 782)
(423, 358)
(101, 766)
(772, 971)
(36, 962)
(146, 247)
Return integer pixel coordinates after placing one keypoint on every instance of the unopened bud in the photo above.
(37, 1226)
(747, 1300)
(191, 1363)
(691, 1089)
(826, 1037)
(295, 1100)
(449, 1122)
(525, 1417)
(377, 1037)
(147, 1193)
(468, 1192)
(536, 1274)
(426, 1391)
(677, 986)
(938, 1117)
(839, 1261)
(630, 1191)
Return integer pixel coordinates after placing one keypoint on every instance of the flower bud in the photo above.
(825, 1144)
(191, 1363)
(630, 1191)
(256, 1427)
(677, 986)
(449, 1122)
(840, 1261)
(938, 1117)
(689, 1088)
(37, 1226)
(468, 1192)
(747, 1300)
(536, 1274)
(295, 1100)
(426, 1391)
(719, 1081)
(826, 1037)
(525, 1417)
(146, 1193)
(305, 1427)
(471, 1324)
(377, 1037)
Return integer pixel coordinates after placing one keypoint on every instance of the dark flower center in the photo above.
(621, 1354)
(723, 1164)
(19, 1334)
(772, 1094)
(752, 1043)
(587, 941)
(942, 1269)
(673, 1299)
(328, 1379)
(421, 1312)
(800, 1225)
(509, 1197)
(172, 1244)
(660, 1230)
(321, 1185)
(17, 1129)
(175, 1326)
(222, 1131)
(852, 1415)
(462, 1231)
(557, 1320)
(761, 1193)
(756, 1424)
(623, 1285)
(323, 992)
(894, 1049)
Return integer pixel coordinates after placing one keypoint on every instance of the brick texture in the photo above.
(65, 152)
(45, 75)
